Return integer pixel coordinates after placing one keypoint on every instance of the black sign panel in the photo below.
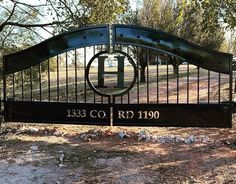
(57, 112)
(181, 115)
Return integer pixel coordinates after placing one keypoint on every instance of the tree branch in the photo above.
(26, 12)
(6, 36)
(11, 14)
(28, 5)
(35, 32)
(57, 14)
(47, 31)
(5, 8)
(30, 25)
(73, 15)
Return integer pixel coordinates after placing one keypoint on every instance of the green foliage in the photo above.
(52, 65)
(234, 46)
(86, 12)
(104, 11)
(181, 19)
(218, 12)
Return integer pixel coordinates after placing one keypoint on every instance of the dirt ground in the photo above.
(46, 154)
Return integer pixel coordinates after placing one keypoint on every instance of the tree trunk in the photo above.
(142, 75)
(176, 69)
(175, 63)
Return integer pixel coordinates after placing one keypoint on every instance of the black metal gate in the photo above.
(141, 77)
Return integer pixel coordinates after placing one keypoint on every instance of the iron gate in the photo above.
(141, 77)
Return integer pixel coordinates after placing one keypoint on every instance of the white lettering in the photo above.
(121, 115)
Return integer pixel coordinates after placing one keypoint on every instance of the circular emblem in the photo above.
(111, 74)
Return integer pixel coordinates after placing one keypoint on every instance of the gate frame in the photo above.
(125, 35)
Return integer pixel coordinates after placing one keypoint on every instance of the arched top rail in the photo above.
(96, 35)
(122, 34)
(172, 45)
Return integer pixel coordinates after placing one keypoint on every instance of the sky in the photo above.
(133, 3)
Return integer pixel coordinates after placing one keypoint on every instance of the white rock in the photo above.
(142, 132)
(62, 157)
(148, 137)
(142, 138)
(60, 151)
(82, 136)
(205, 139)
(169, 139)
(33, 130)
(127, 135)
(163, 139)
(173, 138)
(143, 135)
(121, 134)
(182, 139)
(190, 140)
(61, 165)
(56, 133)
(178, 138)
(89, 136)
(154, 138)
(34, 148)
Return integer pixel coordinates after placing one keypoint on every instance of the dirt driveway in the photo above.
(85, 154)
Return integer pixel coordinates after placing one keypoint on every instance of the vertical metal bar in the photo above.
(135, 76)
(235, 85)
(111, 109)
(187, 83)
(13, 85)
(98, 61)
(85, 82)
(230, 90)
(121, 97)
(208, 94)
(76, 80)
(198, 84)
(128, 98)
(177, 84)
(219, 87)
(22, 85)
(67, 87)
(167, 81)
(4, 87)
(49, 83)
(138, 79)
(94, 94)
(111, 101)
(58, 88)
(147, 60)
(157, 79)
(2, 93)
(40, 85)
(4, 82)
(31, 85)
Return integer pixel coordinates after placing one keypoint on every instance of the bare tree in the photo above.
(54, 16)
